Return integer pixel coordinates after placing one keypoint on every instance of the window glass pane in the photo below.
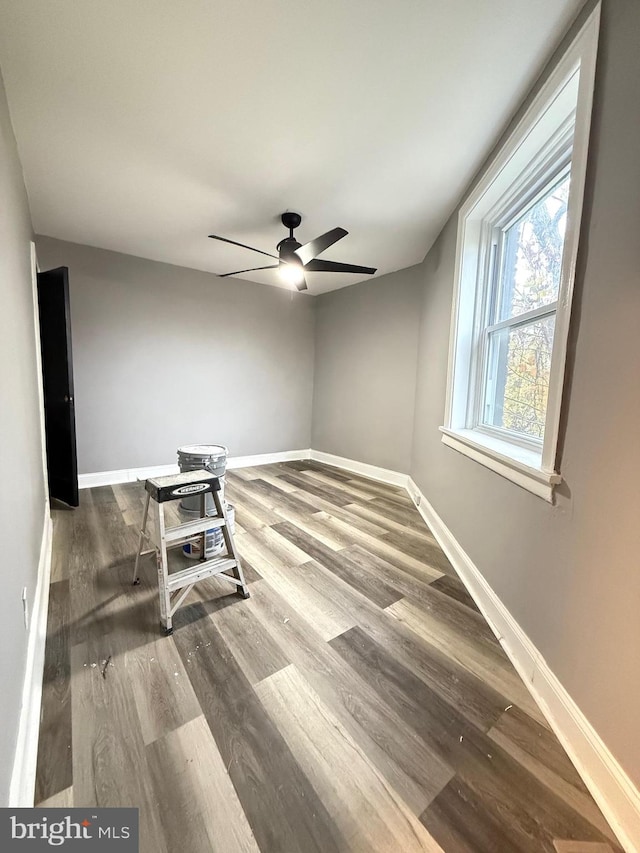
(517, 379)
(532, 255)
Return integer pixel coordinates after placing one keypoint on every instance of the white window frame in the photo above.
(554, 166)
(552, 134)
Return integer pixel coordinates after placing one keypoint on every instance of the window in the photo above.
(515, 265)
(517, 339)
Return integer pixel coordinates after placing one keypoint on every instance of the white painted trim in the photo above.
(23, 777)
(607, 781)
(514, 463)
(124, 475)
(36, 327)
(384, 475)
(131, 475)
(267, 458)
(585, 46)
(509, 172)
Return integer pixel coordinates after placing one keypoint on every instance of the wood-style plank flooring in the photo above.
(357, 701)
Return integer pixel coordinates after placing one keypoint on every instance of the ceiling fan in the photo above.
(294, 259)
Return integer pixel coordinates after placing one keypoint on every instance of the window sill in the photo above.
(517, 464)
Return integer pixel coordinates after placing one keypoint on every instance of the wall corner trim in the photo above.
(384, 475)
(609, 784)
(131, 475)
(267, 458)
(607, 781)
(23, 777)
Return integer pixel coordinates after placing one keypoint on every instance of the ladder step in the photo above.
(199, 572)
(190, 528)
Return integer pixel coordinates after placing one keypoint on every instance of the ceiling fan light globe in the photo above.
(292, 274)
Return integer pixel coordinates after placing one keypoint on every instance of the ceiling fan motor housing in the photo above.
(286, 249)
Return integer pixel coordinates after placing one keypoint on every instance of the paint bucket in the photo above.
(194, 457)
(213, 540)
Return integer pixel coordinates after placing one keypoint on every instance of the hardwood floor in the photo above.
(357, 701)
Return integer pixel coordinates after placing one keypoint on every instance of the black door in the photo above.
(57, 377)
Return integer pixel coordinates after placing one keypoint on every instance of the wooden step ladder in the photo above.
(175, 586)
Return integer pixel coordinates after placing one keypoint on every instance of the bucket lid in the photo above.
(203, 450)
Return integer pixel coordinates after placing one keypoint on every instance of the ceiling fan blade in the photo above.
(318, 265)
(302, 284)
(253, 269)
(316, 247)
(242, 246)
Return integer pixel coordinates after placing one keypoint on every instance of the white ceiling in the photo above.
(144, 126)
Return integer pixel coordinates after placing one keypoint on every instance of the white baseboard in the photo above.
(131, 475)
(607, 781)
(124, 475)
(23, 777)
(267, 458)
(384, 475)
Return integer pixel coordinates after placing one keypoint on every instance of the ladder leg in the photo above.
(163, 600)
(243, 590)
(143, 530)
(163, 573)
(203, 514)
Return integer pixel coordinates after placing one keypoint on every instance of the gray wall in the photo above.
(569, 573)
(365, 373)
(165, 356)
(22, 503)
